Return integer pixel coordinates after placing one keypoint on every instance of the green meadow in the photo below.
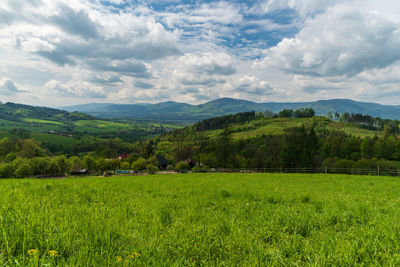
(277, 126)
(201, 220)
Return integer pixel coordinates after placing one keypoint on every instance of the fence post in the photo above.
(379, 170)
(326, 169)
(281, 169)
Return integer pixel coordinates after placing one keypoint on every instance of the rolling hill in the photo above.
(173, 111)
(60, 130)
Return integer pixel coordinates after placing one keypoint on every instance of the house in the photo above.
(124, 156)
(162, 162)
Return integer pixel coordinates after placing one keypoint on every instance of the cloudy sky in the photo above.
(65, 52)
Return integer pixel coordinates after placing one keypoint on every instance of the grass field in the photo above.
(277, 126)
(42, 121)
(54, 139)
(201, 219)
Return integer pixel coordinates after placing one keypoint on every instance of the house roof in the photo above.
(161, 160)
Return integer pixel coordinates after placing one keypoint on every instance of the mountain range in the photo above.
(174, 111)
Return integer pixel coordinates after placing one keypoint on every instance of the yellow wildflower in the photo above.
(101, 203)
(136, 254)
(119, 258)
(128, 258)
(33, 252)
(53, 253)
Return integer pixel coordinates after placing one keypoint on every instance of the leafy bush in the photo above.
(6, 170)
(182, 166)
(344, 164)
(200, 169)
(10, 157)
(196, 169)
(139, 165)
(125, 166)
(151, 169)
(24, 170)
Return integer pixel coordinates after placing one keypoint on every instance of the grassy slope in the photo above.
(265, 126)
(205, 219)
(39, 127)
(54, 139)
(40, 121)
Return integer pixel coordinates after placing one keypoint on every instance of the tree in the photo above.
(6, 146)
(10, 157)
(89, 163)
(29, 148)
(125, 165)
(139, 165)
(182, 166)
(39, 165)
(166, 149)
(24, 170)
(295, 155)
(223, 148)
(75, 164)
(6, 170)
(63, 163)
(367, 148)
(53, 168)
(152, 169)
(101, 165)
(286, 113)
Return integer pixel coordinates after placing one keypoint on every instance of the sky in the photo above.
(67, 52)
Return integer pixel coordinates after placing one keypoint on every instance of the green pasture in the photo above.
(276, 126)
(201, 220)
(352, 129)
(9, 123)
(42, 121)
(101, 126)
(54, 139)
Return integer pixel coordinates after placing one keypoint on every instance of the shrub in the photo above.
(6, 170)
(344, 164)
(24, 170)
(182, 166)
(139, 165)
(125, 166)
(75, 163)
(151, 169)
(11, 157)
(54, 169)
(196, 169)
(200, 169)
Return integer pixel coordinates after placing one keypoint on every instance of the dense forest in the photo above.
(211, 143)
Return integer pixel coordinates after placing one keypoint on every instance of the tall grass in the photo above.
(201, 219)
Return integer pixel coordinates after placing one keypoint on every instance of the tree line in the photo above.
(26, 158)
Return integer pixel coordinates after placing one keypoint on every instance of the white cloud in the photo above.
(339, 42)
(303, 7)
(86, 50)
(75, 89)
(203, 69)
(216, 12)
(9, 87)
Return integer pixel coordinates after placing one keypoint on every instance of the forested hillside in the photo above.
(291, 139)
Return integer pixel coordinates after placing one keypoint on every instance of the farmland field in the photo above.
(201, 219)
(42, 121)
